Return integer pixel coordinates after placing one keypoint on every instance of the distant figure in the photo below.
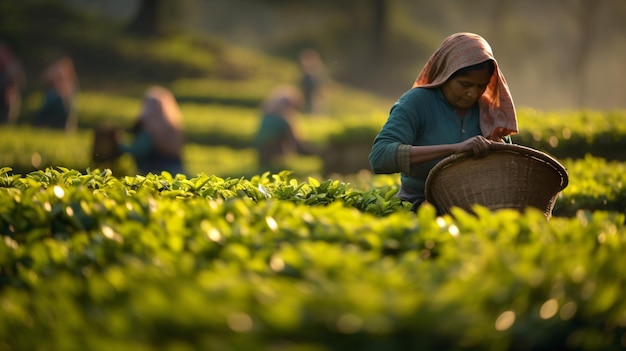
(57, 110)
(158, 139)
(276, 137)
(314, 82)
(12, 79)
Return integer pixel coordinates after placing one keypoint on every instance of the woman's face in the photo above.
(463, 91)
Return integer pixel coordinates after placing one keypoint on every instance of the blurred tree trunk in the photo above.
(156, 18)
(584, 12)
(380, 9)
(145, 21)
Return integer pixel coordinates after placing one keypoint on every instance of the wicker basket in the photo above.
(511, 176)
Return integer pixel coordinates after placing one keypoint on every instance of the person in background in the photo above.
(57, 110)
(158, 137)
(460, 102)
(12, 79)
(314, 82)
(276, 137)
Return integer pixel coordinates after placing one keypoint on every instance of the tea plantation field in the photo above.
(319, 257)
(93, 261)
(228, 257)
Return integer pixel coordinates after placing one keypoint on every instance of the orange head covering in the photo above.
(497, 111)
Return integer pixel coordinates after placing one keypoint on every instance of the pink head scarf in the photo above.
(161, 118)
(497, 111)
(61, 75)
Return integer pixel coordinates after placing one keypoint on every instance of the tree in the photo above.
(156, 18)
(584, 14)
(380, 10)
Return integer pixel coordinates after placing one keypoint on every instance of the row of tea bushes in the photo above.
(354, 118)
(563, 135)
(227, 113)
(91, 261)
(573, 134)
(27, 149)
(595, 183)
(568, 134)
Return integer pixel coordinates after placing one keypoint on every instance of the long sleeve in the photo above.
(421, 117)
(140, 147)
(391, 148)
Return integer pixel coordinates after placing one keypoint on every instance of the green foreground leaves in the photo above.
(90, 261)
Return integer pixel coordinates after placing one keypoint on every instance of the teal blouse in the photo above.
(273, 127)
(147, 157)
(422, 116)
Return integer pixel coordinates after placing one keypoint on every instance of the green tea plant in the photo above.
(594, 183)
(573, 134)
(29, 149)
(89, 260)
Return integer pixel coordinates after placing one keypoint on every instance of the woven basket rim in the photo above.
(514, 149)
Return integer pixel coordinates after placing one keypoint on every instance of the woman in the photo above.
(12, 80)
(460, 102)
(57, 110)
(314, 82)
(276, 137)
(158, 134)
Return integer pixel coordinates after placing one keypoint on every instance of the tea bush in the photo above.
(92, 261)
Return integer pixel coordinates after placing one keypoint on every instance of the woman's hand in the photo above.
(477, 145)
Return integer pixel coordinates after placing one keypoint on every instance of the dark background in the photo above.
(555, 54)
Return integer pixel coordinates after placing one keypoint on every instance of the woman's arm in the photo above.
(478, 145)
(140, 147)
(408, 155)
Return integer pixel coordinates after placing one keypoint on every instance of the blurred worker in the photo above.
(158, 137)
(12, 79)
(314, 82)
(57, 110)
(276, 137)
